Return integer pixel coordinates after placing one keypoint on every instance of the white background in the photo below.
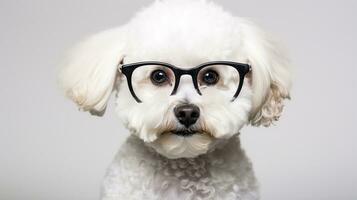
(50, 151)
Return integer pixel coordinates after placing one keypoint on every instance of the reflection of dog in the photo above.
(184, 145)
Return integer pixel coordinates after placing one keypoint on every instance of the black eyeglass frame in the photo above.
(128, 69)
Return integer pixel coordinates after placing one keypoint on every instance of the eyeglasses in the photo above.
(151, 79)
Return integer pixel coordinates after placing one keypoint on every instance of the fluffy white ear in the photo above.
(271, 74)
(88, 75)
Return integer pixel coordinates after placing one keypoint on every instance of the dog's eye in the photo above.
(158, 77)
(210, 77)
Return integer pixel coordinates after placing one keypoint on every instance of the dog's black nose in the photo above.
(187, 114)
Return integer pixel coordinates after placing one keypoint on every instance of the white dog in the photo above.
(209, 74)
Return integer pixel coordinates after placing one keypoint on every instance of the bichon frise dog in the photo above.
(187, 77)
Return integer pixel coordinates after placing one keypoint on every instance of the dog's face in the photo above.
(187, 123)
(193, 120)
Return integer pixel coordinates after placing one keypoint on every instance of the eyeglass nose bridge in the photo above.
(192, 72)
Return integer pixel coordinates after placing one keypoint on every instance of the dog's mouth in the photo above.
(184, 133)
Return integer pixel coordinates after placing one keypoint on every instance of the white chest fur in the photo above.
(138, 172)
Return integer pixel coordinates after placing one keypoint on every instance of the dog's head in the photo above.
(184, 104)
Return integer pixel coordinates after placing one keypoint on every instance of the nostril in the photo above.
(181, 114)
(194, 115)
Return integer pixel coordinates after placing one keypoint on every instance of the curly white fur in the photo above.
(154, 163)
(138, 172)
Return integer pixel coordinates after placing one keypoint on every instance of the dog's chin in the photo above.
(182, 144)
